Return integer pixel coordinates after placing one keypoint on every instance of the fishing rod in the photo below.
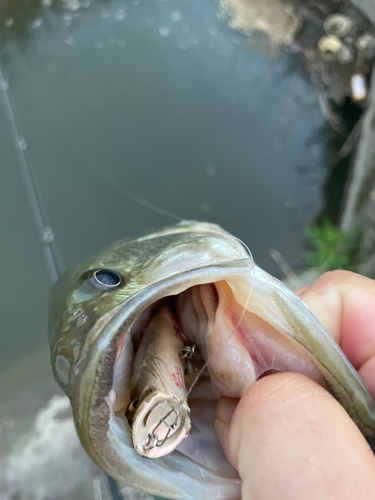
(39, 215)
(44, 230)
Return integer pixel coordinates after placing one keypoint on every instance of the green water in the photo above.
(160, 99)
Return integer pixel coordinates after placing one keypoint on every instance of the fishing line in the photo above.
(209, 358)
(43, 229)
(131, 196)
(152, 206)
(89, 164)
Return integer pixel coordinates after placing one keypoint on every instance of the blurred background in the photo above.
(120, 116)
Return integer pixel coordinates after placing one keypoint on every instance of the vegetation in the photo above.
(330, 248)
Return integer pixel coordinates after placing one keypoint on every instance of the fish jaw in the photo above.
(279, 306)
(107, 440)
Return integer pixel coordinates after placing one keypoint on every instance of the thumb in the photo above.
(290, 439)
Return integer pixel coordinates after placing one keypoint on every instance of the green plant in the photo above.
(331, 248)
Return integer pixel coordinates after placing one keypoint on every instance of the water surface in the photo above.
(159, 99)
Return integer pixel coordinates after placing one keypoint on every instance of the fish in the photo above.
(147, 336)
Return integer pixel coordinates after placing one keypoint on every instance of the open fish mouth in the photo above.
(140, 402)
(150, 354)
(168, 364)
(195, 326)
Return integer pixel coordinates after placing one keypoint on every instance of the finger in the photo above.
(290, 440)
(345, 304)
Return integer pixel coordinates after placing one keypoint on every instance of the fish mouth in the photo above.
(207, 305)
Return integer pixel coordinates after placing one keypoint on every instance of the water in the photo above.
(155, 99)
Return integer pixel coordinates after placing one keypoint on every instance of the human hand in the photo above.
(287, 436)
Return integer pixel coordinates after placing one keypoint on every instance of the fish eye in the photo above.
(107, 279)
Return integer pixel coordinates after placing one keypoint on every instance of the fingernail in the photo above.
(226, 408)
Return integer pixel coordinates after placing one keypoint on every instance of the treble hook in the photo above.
(188, 352)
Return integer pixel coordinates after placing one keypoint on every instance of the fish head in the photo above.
(92, 309)
(85, 298)
(244, 322)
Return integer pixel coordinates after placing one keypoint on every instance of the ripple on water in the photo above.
(69, 40)
(120, 15)
(164, 31)
(176, 15)
(213, 30)
(37, 23)
(67, 19)
(72, 5)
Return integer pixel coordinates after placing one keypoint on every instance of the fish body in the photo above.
(245, 323)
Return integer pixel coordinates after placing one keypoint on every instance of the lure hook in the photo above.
(152, 439)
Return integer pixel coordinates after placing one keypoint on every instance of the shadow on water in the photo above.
(16, 18)
(338, 163)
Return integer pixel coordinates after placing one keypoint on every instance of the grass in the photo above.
(330, 248)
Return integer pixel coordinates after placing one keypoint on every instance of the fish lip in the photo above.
(194, 226)
(91, 391)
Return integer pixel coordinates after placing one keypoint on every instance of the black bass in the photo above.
(149, 334)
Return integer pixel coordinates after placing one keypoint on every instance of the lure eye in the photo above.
(106, 279)
(130, 410)
(133, 405)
